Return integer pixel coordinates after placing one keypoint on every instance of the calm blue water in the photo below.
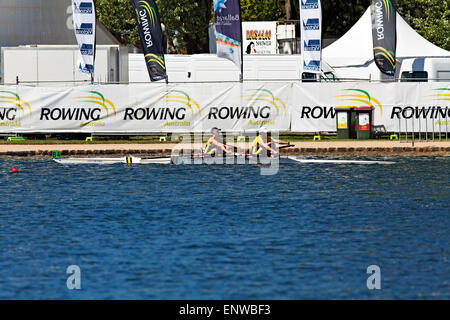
(225, 232)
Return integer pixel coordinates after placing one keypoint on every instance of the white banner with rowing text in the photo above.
(147, 108)
(232, 107)
(396, 106)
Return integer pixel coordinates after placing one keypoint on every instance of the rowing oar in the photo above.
(286, 146)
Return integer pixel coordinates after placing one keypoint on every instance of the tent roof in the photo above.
(356, 48)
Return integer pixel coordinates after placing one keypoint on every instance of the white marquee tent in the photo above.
(352, 55)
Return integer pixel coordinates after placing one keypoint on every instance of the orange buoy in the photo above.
(14, 170)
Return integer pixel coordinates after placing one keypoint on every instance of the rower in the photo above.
(216, 145)
(265, 142)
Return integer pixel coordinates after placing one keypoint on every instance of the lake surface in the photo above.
(225, 232)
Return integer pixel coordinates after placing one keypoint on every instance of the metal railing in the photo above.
(430, 125)
(322, 80)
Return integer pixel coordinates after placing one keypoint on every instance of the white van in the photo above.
(433, 69)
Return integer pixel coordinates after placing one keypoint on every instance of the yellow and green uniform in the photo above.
(256, 148)
(210, 147)
(256, 145)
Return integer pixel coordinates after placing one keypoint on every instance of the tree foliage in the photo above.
(339, 16)
(262, 10)
(118, 18)
(187, 21)
(430, 18)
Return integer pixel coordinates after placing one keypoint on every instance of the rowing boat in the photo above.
(123, 160)
(237, 159)
(206, 160)
(175, 160)
(321, 161)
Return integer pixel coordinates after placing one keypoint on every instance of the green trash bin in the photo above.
(363, 122)
(344, 126)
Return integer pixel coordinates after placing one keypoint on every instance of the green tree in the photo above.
(430, 18)
(262, 10)
(187, 21)
(117, 16)
(339, 16)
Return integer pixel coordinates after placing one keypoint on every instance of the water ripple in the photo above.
(225, 232)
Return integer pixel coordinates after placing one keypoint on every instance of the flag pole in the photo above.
(241, 77)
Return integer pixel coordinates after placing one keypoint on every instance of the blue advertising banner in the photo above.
(229, 30)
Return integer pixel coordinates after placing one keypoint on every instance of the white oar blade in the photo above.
(91, 160)
(330, 161)
(134, 160)
(155, 161)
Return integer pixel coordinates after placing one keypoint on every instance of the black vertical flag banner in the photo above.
(384, 34)
(147, 19)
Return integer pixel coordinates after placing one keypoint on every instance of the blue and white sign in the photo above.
(312, 45)
(84, 26)
(311, 33)
(311, 24)
(309, 4)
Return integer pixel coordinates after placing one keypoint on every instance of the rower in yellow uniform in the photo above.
(265, 142)
(215, 145)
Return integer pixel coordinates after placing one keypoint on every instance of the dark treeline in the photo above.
(186, 21)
